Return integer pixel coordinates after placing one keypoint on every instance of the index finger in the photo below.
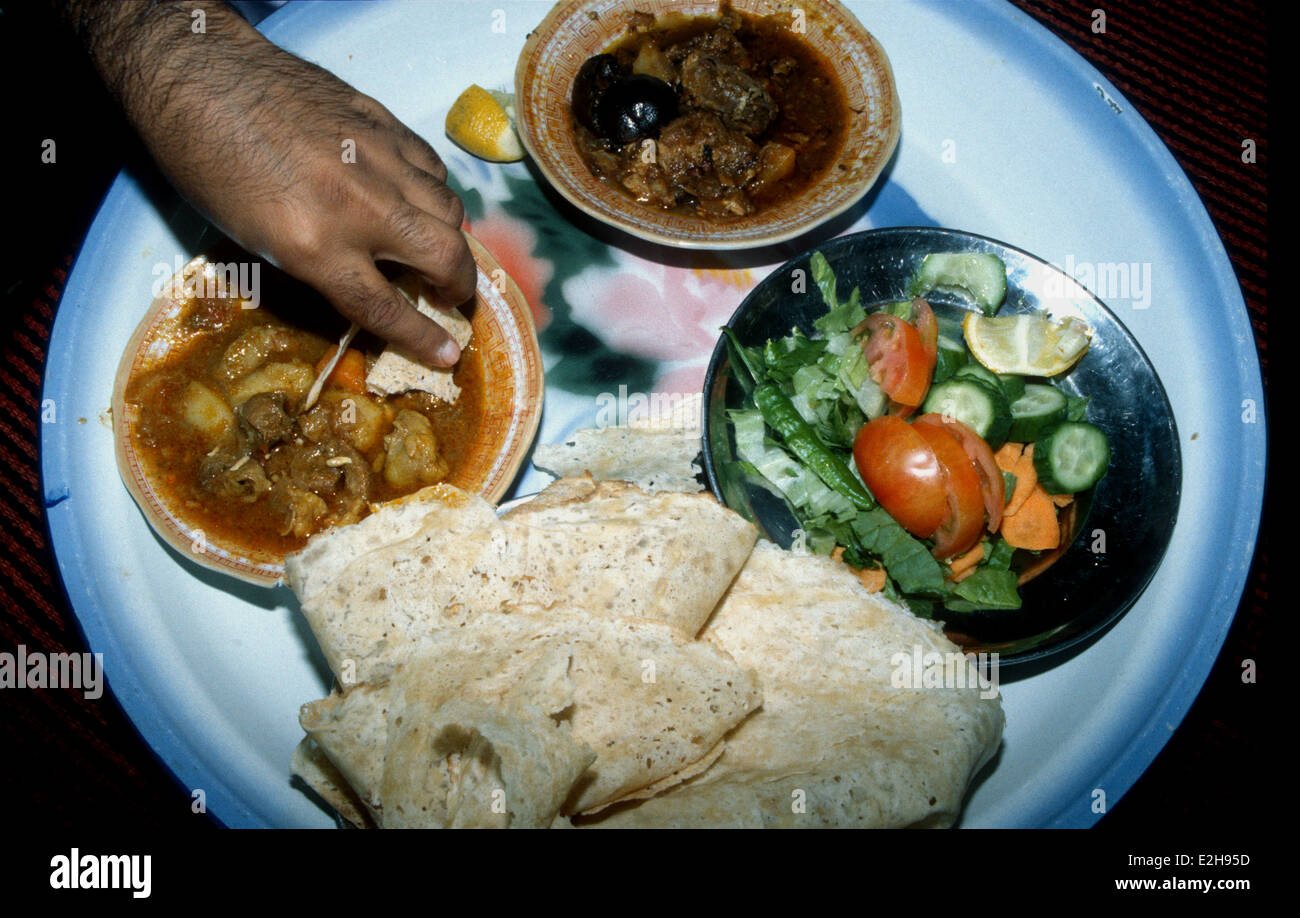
(365, 296)
(434, 248)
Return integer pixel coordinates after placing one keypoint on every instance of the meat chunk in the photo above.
(298, 508)
(412, 458)
(232, 477)
(358, 419)
(700, 155)
(720, 42)
(330, 470)
(250, 350)
(736, 97)
(644, 179)
(323, 467)
(263, 420)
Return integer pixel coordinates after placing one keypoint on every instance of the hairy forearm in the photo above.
(144, 50)
(149, 55)
(285, 158)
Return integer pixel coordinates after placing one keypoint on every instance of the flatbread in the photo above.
(610, 547)
(312, 766)
(352, 731)
(653, 460)
(469, 764)
(654, 450)
(310, 571)
(607, 548)
(836, 743)
(395, 373)
(649, 703)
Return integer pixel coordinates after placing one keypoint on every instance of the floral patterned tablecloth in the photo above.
(610, 315)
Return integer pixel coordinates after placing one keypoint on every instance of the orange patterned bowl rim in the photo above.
(514, 386)
(574, 30)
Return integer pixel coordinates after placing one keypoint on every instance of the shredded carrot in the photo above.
(872, 578)
(1008, 455)
(1062, 500)
(958, 578)
(1034, 525)
(1026, 481)
(963, 564)
(349, 373)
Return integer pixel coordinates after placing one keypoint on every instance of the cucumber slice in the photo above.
(1036, 412)
(951, 356)
(1072, 458)
(1013, 386)
(982, 276)
(981, 407)
(983, 374)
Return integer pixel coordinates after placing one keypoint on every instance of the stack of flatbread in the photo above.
(502, 670)
(607, 656)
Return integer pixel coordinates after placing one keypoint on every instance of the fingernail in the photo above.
(448, 352)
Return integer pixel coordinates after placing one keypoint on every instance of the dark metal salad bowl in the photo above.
(1123, 526)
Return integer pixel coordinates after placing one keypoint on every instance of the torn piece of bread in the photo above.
(657, 450)
(653, 460)
(395, 373)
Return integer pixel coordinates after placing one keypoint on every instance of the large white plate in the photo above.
(1007, 133)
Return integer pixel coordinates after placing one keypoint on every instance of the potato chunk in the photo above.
(293, 379)
(207, 412)
(359, 419)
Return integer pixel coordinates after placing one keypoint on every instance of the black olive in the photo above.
(594, 78)
(634, 108)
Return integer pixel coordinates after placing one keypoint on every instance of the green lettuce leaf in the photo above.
(906, 559)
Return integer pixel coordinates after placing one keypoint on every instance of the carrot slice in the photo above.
(1026, 480)
(1062, 500)
(872, 578)
(1034, 525)
(349, 373)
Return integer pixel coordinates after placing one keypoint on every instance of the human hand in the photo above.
(289, 161)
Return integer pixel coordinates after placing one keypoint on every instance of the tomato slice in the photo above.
(897, 358)
(899, 410)
(992, 485)
(928, 328)
(903, 474)
(961, 529)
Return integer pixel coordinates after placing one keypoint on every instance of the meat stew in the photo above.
(717, 117)
(225, 438)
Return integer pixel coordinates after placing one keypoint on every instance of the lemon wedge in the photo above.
(1028, 345)
(482, 122)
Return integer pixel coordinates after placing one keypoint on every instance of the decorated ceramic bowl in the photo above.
(501, 431)
(576, 30)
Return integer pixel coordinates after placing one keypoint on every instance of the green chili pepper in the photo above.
(780, 414)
